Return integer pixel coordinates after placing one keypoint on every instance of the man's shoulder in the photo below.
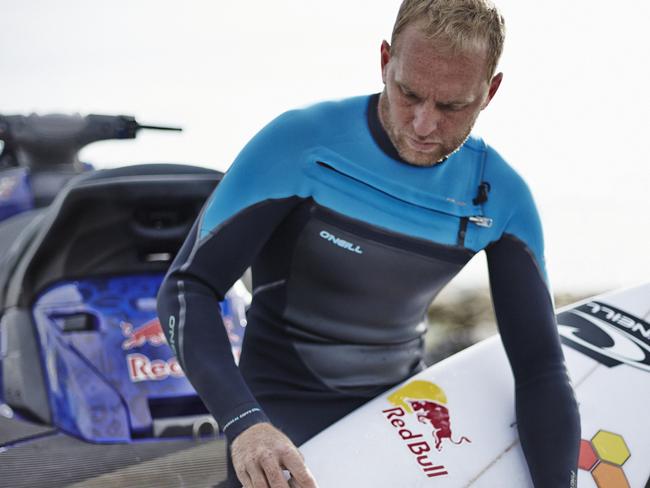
(326, 113)
(316, 124)
(335, 108)
(285, 140)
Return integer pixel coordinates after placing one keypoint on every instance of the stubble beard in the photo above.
(408, 154)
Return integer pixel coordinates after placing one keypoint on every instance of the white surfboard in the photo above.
(453, 425)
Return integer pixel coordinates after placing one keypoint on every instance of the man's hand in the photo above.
(261, 452)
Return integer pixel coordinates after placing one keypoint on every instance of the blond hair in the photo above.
(463, 25)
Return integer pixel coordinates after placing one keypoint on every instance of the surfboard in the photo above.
(453, 425)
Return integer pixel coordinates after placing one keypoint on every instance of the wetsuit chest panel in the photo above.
(447, 189)
(339, 269)
(404, 199)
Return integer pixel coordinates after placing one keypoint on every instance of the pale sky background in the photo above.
(571, 115)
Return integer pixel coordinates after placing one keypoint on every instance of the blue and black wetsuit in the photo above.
(348, 246)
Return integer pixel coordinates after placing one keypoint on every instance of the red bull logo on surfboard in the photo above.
(426, 402)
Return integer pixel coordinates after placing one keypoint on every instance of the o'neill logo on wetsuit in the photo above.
(340, 242)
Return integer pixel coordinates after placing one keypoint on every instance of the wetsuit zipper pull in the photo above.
(481, 221)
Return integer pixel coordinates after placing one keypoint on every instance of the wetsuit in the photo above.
(348, 246)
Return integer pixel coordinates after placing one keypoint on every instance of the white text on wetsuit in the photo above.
(340, 242)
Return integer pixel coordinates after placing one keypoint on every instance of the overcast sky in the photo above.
(571, 115)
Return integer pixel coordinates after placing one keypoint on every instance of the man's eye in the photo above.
(409, 94)
(451, 108)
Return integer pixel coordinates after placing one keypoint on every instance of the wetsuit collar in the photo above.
(377, 130)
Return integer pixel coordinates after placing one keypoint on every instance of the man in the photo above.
(354, 214)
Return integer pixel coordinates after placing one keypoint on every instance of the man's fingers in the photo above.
(273, 472)
(257, 477)
(261, 452)
(293, 461)
(244, 479)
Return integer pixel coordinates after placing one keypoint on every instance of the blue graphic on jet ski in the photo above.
(80, 346)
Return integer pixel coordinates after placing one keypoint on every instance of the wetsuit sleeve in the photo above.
(547, 416)
(238, 219)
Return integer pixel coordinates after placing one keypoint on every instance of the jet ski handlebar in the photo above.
(38, 141)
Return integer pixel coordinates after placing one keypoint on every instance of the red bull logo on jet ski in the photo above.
(141, 367)
(428, 403)
(7, 185)
(151, 333)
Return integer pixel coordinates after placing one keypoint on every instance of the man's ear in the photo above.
(494, 86)
(385, 58)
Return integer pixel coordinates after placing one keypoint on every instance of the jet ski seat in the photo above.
(108, 222)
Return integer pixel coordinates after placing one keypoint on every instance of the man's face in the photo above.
(431, 97)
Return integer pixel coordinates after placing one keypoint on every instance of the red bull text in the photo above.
(427, 402)
(141, 368)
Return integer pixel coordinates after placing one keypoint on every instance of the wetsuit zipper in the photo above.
(479, 220)
(462, 229)
(347, 175)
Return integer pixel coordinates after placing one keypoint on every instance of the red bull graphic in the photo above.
(438, 416)
(7, 185)
(151, 333)
(140, 367)
(427, 401)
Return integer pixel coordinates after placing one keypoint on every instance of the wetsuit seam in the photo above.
(531, 254)
(181, 320)
(398, 235)
(484, 155)
(404, 252)
(268, 286)
(348, 342)
(244, 211)
(196, 245)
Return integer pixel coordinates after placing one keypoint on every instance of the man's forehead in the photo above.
(413, 48)
(455, 88)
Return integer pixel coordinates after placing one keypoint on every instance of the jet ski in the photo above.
(40, 153)
(87, 379)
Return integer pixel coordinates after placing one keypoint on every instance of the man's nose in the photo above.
(425, 120)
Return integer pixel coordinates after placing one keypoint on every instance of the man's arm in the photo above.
(547, 414)
(243, 212)
(188, 307)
